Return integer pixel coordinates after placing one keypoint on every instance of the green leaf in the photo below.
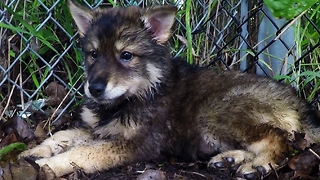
(11, 147)
(13, 28)
(288, 9)
(20, 19)
(310, 73)
(281, 77)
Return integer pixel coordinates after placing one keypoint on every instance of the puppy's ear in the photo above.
(81, 15)
(159, 20)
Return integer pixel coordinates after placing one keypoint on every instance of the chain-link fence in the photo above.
(41, 69)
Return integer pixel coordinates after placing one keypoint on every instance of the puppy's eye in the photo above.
(126, 56)
(93, 54)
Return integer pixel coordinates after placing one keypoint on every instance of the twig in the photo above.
(290, 24)
(48, 122)
(9, 98)
(196, 173)
(314, 153)
(277, 175)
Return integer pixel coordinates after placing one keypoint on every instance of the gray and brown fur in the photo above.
(143, 104)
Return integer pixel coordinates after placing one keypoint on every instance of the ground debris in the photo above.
(19, 170)
(152, 174)
(306, 163)
(56, 93)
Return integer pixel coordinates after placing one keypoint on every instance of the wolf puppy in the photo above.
(143, 104)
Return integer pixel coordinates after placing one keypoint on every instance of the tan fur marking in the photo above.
(266, 150)
(119, 45)
(281, 116)
(259, 146)
(99, 155)
(95, 44)
(135, 85)
(289, 121)
(89, 117)
(114, 90)
(59, 142)
(115, 128)
(155, 74)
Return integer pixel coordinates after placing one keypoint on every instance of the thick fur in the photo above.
(143, 104)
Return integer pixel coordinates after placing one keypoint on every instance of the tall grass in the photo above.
(36, 54)
(306, 72)
(309, 67)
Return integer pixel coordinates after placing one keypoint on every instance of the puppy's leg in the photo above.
(258, 156)
(98, 156)
(59, 142)
(269, 152)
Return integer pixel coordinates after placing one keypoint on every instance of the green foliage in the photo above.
(188, 33)
(288, 8)
(43, 31)
(17, 146)
(306, 71)
(306, 38)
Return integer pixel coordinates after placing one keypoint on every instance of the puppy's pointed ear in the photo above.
(81, 15)
(159, 20)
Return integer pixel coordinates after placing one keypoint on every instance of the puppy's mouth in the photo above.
(103, 94)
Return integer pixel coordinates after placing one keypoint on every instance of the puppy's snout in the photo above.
(97, 88)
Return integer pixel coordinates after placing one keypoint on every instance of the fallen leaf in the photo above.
(46, 173)
(39, 132)
(56, 94)
(299, 142)
(8, 139)
(18, 171)
(306, 162)
(22, 129)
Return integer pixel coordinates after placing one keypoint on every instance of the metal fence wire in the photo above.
(41, 68)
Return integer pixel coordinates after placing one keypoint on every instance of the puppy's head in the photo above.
(124, 50)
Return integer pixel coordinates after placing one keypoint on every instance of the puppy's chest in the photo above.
(116, 128)
(127, 121)
(105, 124)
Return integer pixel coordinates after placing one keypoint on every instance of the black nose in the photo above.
(97, 88)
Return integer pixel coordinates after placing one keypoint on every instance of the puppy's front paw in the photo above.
(38, 151)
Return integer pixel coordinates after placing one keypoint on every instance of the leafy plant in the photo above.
(43, 51)
(12, 147)
(288, 8)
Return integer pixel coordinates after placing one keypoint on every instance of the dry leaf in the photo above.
(56, 94)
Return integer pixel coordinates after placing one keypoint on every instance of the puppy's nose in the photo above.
(97, 88)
